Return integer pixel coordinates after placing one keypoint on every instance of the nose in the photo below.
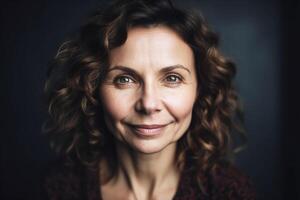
(149, 100)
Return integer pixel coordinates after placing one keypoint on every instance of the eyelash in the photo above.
(130, 80)
(118, 78)
(176, 76)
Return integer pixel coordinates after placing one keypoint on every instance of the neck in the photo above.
(147, 175)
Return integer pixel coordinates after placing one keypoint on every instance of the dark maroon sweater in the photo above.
(72, 182)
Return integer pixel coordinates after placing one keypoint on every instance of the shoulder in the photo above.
(61, 180)
(229, 182)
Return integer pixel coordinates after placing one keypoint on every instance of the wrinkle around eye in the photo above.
(176, 77)
(177, 80)
(124, 81)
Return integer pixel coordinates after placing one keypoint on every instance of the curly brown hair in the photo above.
(75, 125)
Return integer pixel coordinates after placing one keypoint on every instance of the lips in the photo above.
(154, 126)
(148, 130)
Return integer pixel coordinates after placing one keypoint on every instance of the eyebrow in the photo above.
(163, 70)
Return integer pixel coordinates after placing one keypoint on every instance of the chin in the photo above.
(151, 147)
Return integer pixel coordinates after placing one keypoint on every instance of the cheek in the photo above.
(180, 103)
(116, 104)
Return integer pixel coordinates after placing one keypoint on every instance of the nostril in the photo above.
(148, 101)
(146, 108)
(148, 105)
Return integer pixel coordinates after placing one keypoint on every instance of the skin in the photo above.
(151, 81)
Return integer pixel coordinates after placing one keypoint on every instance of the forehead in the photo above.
(153, 47)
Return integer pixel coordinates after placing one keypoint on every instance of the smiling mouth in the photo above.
(147, 130)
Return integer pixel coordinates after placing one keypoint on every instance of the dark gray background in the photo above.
(260, 36)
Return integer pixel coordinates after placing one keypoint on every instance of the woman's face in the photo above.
(150, 88)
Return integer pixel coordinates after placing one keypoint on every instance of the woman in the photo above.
(142, 106)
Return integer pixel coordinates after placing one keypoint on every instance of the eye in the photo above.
(173, 79)
(123, 80)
